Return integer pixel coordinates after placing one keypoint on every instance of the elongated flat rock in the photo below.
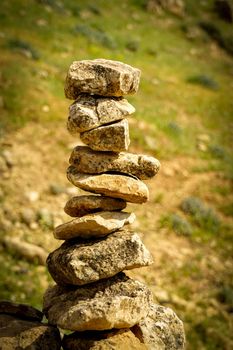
(79, 263)
(116, 186)
(117, 339)
(89, 112)
(118, 302)
(94, 162)
(82, 205)
(161, 329)
(20, 310)
(101, 77)
(94, 225)
(113, 137)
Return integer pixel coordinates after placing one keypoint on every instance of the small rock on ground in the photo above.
(29, 251)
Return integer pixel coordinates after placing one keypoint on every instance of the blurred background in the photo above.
(184, 117)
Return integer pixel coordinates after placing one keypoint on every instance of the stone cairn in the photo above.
(92, 296)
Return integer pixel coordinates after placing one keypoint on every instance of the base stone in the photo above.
(122, 339)
(161, 329)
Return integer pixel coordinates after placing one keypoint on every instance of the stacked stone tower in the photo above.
(92, 296)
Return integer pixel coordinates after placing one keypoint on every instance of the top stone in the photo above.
(101, 77)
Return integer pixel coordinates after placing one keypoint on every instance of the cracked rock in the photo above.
(113, 137)
(89, 112)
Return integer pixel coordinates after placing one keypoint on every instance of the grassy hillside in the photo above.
(183, 117)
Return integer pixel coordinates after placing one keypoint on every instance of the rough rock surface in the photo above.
(113, 137)
(115, 339)
(116, 186)
(20, 334)
(94, 225)
(161, 329)
(20, 310)
(89, 112)
(81, 205)
(118, 302)
(101, 77)
(80, 262)
(94, 162)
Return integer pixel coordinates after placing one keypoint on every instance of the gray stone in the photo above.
(20, 310)
(118, 302)
(45, 217)
(57, 189)
(80, 262)
(81, 205)
(9, 159)
(94, 162)
(20, 334)
(28, 215)
(101, 77)
(28, 251)
(161, 329)
(116, 186)
(94, 225)
(116, 339)
(89, 112)
(113, 137)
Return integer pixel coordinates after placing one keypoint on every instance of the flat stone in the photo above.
(89, 112)
(20, 310)
(94, 225)
(117, 302)
(81, 262)
(94, 162)
(161, 329)
(81, 205)
(20, 334)
(122, 339)
(112, 185)
(101, 77)
(113, 137)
